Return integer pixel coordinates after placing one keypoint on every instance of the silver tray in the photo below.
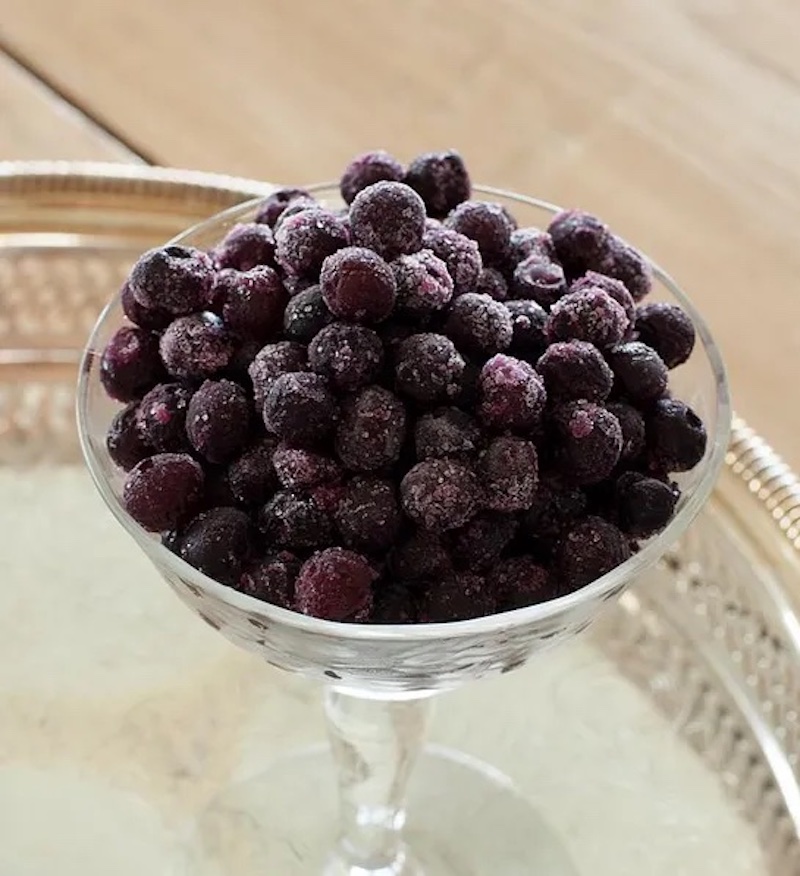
(117, 709)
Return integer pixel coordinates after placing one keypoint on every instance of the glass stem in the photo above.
(375, 745)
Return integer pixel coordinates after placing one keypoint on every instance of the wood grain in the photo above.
(678, 120)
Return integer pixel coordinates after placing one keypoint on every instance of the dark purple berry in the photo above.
(196, 347)
(423, 283)
(538, 279)
(509, 473)
(441, 179)
(150, 318)
(439, 494)
(367, 169)
(676, 436)
(616, 289)
(273, 360)
(625, 263)
(589, 441)
(421, 555)
(528, 320)
(334, 584)
(389, 218)
(394, 604)
(328, 496)
(575, 370)
(519, 582)
(492, 283)
(161, 419)
(295, 521)
(271, 579)
(124, 442)
(350, 356)
(252, 302)
(300, 469)
(251, 478)
(644, 505)
(589, 550)
(461, 596)
(479, 544)
(511, 394)
(130, 365)
(460, 254)
(218, 420)
(368, 516)
(178, 279)
(580, 239)
(485, 223)
(275, 204)
(295, 285)
(300, 407)
(591, 315)
(304, 240)
(306, 314)
(529, 241)
(668, 330)
(163, 490)
(299, 205)
(246, 246)
(633, 434)
(241, 360)
(358, 285)
(217, 543)
(446, 432)
(428, 367)
(556, 506)
(638, 371)
(478, 324)
(371, 431)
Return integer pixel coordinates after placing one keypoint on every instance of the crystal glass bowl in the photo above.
(379, 678)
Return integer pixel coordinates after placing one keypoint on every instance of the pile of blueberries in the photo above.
(406, 410)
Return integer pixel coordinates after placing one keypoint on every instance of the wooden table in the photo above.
(678, 120)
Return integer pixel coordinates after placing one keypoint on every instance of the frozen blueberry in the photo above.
(421, 555)
(479, 544)
(625, 263)
(428, 367)
(460, 254)
(676, 436)
(590, 315)
(668, 330)
(644, 505)
(394, 604)
(389, 218)
(130, 365)
(243, 356)
(358, 285)
(124, 442)
(615, 288)
(299, 205)
(365, 170)
(217, 543)
(252, 301)
(509, 473)
(300, 407)
(589, 550)
(196, 347)
(478, 324)
(161, 418)
(511, 394)
(520, 581)
(251, 477)
(271, 579)
(163, 490)
(150, 318)
(218, 420)
(295, 521)
(538, 279)
(350, 356)
(305, 315)
(274, 205)
(368, 516)
(460, 596)
(334, 584)
(301, 469)
(372, 429)
(556, 506)
(423, 283)
(638, 371)
(491, 282)
(441, 179)
(488, 225)
(528, 320)
(304, 240)
(174, 278)
(633, 435)
(531, 241)
(246, 246)
(574, 370)
(590, 441)
(272, 361)
(446, 432)
(580, 239)
(439, 494)
(295, 285)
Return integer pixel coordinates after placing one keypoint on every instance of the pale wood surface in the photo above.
(678, 120)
